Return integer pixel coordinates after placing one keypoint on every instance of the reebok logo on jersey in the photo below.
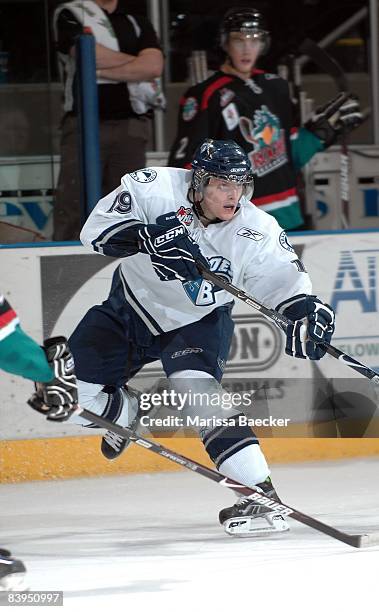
(246, 232)
(173, 233)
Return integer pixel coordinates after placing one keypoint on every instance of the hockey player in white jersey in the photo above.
(158, 222)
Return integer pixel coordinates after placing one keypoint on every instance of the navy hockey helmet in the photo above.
(248, 21)
(222, 159)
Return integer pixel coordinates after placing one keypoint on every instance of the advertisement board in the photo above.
(52, 287)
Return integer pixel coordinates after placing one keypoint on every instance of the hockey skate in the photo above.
(249, 518)
(112, 445)
(12, 572)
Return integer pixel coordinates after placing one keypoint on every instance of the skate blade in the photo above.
(247, 526)
(13, 582)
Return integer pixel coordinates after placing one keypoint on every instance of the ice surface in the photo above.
(153, 542)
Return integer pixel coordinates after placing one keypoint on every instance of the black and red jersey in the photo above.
(257, 114)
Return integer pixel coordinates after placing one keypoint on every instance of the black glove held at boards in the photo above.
(335, 119)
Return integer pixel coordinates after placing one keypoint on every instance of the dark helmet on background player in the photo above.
(223, 159)
(248, 21)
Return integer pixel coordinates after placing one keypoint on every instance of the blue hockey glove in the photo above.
(313, 323)
(172, 250)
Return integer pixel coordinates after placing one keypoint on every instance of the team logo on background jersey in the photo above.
(231, 116)
(185, 215)
(190, 108)
(122, 203)
(246, 232)
(267, 137)
(225, 96)
(285, 243)
(147, 175)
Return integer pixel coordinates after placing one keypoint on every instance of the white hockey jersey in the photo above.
(250, 250)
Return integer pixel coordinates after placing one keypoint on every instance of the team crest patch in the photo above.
(147, 175)
(122, 203)
(190, 108)
(246, 232)
(202, 292)
(185, 215)
(264, 133)
(285, 243)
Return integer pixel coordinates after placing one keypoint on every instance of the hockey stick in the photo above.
(329, 65)
(357, 541)
(283, 322)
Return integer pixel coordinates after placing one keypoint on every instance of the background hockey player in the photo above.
(21, 355)
(254, 108)
(159, 221)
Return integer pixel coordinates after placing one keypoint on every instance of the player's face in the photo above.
(243, 50)
(221, 199)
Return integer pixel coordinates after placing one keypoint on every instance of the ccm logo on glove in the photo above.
(170, 235)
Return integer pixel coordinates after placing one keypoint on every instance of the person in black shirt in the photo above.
(128, 59)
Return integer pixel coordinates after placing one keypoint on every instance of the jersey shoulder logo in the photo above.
(190, 108)
(246, 232)
(285, 243)
(122, 203)
(147, 175)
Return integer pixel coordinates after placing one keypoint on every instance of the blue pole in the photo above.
(88, 122)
